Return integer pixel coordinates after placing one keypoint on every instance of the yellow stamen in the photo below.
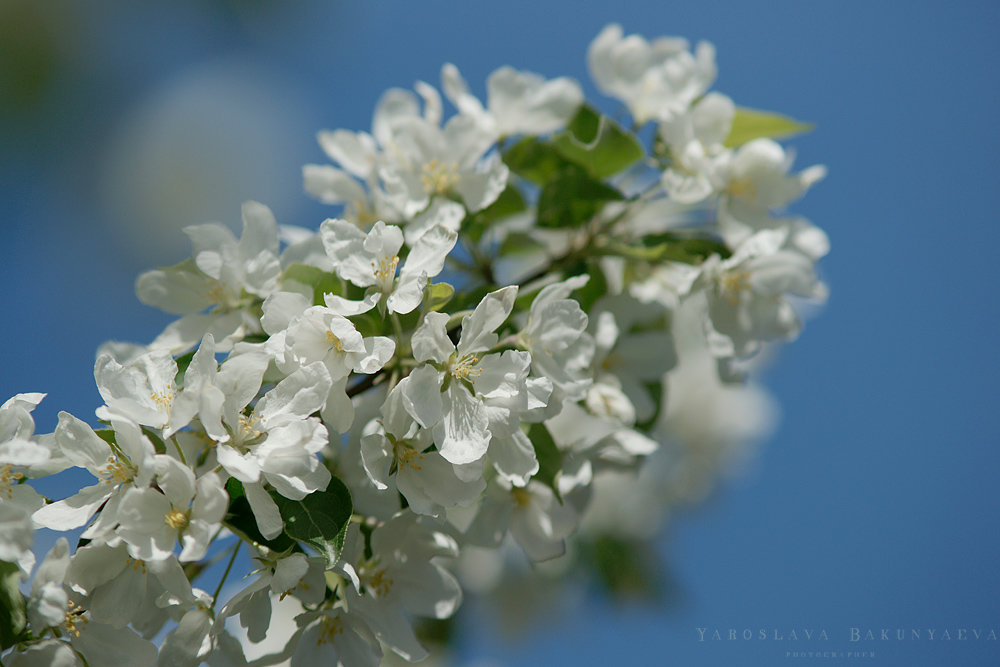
(464, 368)
(380, 584)
(116, 471)
(331, 628)
(438, 177)
(74, 619)
(734, 284)
(334, 341)
(521, 496)
(8, 480)
(176, 519)
(385, 270)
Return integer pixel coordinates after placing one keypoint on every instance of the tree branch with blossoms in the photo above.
(357, 417)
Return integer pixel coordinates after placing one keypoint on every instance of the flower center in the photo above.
(165, 400)
(406, 455)
(176, 519)
(8, 480)
(334, 341)
(521, 496)
(743, 188)
(116, 471)
(438, 177)
(734, 284)
(465, 367)
(380, 584)
(74, 619)
(331, 628)
(249, 426)
(385, 271)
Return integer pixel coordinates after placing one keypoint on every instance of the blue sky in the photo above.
(873, 506)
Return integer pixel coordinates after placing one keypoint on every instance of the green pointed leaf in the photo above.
(321, 281)
(320, 519)
(627, 569)
(240, 519)
(598, 144)
(572, 198)
(549, 457)
(535, 160)
(12, 609)
(750, 124)
(437, 296)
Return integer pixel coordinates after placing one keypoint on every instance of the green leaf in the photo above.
(321, 281)
(628, 569)
(13, 620)
(437, 296)
(750, 124)
(598, 144)
(508, 203)
(572, 198)
(535, 160)
(549, 457)
(320, 519)
(240, 519)
(183, 362)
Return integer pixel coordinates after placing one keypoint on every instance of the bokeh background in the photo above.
(875, 503)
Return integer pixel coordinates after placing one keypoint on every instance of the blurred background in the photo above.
(874, 503)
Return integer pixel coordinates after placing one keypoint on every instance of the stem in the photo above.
(229, 566)
(180, 452)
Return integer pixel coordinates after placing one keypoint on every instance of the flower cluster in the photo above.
(512, 312)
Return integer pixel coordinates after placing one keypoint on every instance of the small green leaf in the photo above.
(535, 160)
(183, 362)
(12, 608)
(240, 519)
(320, 519)
(628, 569)
(750, 124)
(437, 296)
(549, 457)
(321, 281)
(572, 198)
(598, 144)
(595, 288)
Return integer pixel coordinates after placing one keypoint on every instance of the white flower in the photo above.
(745, 293)
(337, 638)
(402, 576)
(396, 443)
(654, 79)
(423, 160)
(185, 510)
(130, 463)
(221, 275)
(449, 393)
(532, 513)
(50, 606)
(278, 440)
(555, 335)
(371, 260)
(517, 102)
(756, 182)
(695, 137)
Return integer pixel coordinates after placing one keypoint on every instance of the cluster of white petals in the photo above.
(523, 333)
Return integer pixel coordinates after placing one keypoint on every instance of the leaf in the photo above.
(598, 144)
(572, 198)
(548, 455)
(13, 620)
(437, 296)
(508, 203)
(628, 569)
(320, 519)
(535, 160)
(321, 281)
(240, 519)
(750, 124)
